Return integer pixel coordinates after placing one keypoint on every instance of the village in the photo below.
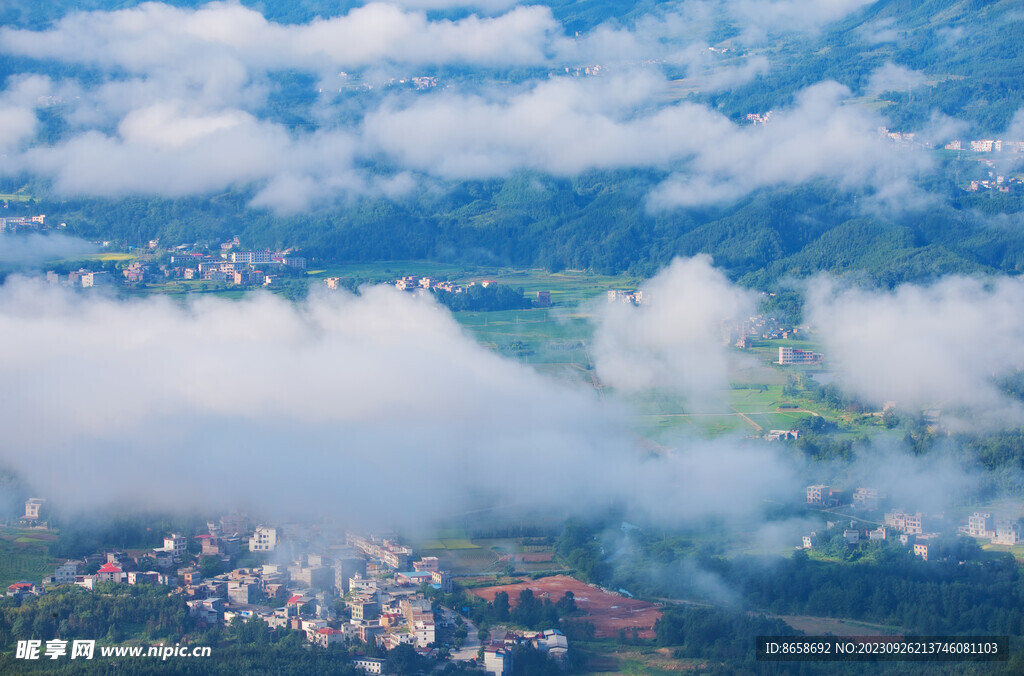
(238, 268)
(927, 535)
(357, 589)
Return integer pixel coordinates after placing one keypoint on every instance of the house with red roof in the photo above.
(326, 636)
(20, 589)
(300, 605)
(110, 572)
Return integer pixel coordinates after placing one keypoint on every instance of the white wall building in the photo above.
(263, 539)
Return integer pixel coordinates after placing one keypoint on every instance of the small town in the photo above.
(237, 268)
(363, 590)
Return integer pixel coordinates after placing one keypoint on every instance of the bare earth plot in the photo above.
(609, 612)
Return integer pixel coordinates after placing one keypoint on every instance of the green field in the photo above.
(449, 545)
(15, 196)
(568, 288)
(24, 556)
(110, 256)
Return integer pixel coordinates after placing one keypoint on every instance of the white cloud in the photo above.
(152, 36)
(35, 248)
(372, 409)
(879, 32)
(16, 126)
(762, 18)
(819, 137)
(673, 340)
(941, 345)
(892, 77)
(489, 6)
(189, 116)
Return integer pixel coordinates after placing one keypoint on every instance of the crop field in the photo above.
(568, 288)
(449, 544)
(24, 556)
(609, 612)
(110, 256)
(744, 409)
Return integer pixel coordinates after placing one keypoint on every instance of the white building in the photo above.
(249, 257)
(66, 573)
(264, 539)
(498, 660)
(91, 279)
(369, 665)
(175, 544)
(1008, 533)
(789, 355)
(32, 507)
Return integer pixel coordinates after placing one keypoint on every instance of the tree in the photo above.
(501, 606)
(567, 604)
(402, 660)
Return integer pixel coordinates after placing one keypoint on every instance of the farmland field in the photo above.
(24, 555)
(609, 612)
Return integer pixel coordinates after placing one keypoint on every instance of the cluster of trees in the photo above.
(82, 536)
(944, 597)
(579, 546)
(112, 612)
(529, 612)
(478, 298)
(715, 633)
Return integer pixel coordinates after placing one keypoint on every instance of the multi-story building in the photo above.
(817, 494)
(346, 567)
(32, 508)
(110, 572)
(95, 279)
(370, 665)
(790, 355)
(981, 525)
(65, 573)
(420, 618)
(264, 539)
(243, 593)
(1008, 533)
(866, 498)
(175, 544)
(906, 523)
(498, 659)
(250, 257)
(364, 608)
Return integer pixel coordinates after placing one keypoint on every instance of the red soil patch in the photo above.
(609, 612)
(535, 558)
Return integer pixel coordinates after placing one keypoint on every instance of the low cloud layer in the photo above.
(375, 409)
(892, 77)
(35, 248)
(820, 137)
(379, 409)
(181, 106)
(153, 36)
(943, 345)
(672, 340)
